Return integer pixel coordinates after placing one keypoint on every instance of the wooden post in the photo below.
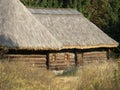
(76, 58)
(47, 61)
(108, 54)
(82, 57)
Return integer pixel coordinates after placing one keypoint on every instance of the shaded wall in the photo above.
(56, 60)
(61, 60)
(30, 57)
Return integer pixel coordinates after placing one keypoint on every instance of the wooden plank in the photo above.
(63, 61)
(28, 59)
(71, 60)
(57, 64)
(94, 60)
(95, 56)
(24, 56)
(95, 52)
(89, 53)
(62, 64)
(57, 61)
(60, 67)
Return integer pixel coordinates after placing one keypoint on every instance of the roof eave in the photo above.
(90, 47)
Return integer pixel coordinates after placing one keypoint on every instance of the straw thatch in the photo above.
(73, 29)
(20, 29)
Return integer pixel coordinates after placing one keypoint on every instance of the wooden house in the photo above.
(24, 36)
(82, 40)
(51, 38)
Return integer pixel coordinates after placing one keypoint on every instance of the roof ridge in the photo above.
(54, 11)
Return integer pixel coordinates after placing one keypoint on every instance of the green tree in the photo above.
(50, 2)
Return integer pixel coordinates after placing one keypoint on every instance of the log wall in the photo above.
(32, 59)
(88, 57)
(61, 60)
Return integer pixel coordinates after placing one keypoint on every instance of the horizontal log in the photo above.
(60, 67)
(79, 59)
(94, 59)
(79, 56)
(61, 64)
(28, 59)
(71, 60)
(62, 54)
(36, 63)
(24, 56)
(62, 61)
(57, 60)
(94, 56)
(95, 52)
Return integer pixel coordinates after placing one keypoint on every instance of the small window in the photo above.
(54, 57)
(66, 57)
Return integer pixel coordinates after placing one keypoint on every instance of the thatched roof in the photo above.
(73, 29)
(20, 29)
(54, 11)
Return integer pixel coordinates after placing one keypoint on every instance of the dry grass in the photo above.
(97, 77)
(19, 76)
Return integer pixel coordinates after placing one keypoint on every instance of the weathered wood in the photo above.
(95, 54)
(84, 57)
(80, 58)
(32, 59)
(60, 67)
(58, 64)
(24, 56)
(62, 59)
(38, 65)
(94, 58)
(61, 64)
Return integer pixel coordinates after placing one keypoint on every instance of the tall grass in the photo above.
(19, 76)
(96, 76)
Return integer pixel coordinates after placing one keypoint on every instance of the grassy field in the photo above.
(19, 76)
